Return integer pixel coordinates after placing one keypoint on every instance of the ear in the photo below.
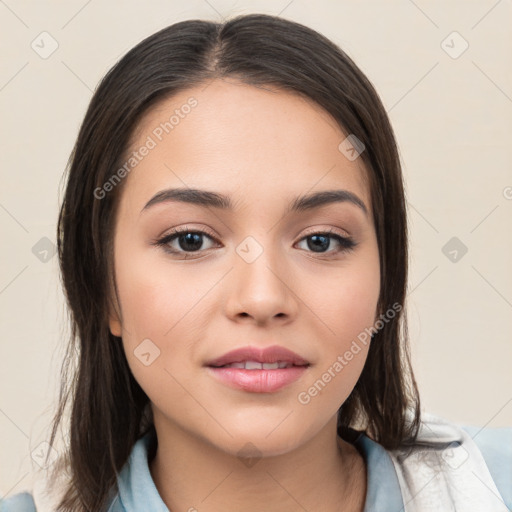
(115, 325)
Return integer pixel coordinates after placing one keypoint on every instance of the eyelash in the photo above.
(347, 244)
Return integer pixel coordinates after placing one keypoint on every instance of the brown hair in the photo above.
(109, 410)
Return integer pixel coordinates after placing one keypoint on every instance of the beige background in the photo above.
(453, 119)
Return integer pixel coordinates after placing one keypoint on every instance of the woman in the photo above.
(233, 246)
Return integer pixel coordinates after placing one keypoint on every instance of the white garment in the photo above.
(445, 472)
(46, 496)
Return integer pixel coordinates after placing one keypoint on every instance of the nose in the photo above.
(262, 288)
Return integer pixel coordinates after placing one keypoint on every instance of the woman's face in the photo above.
(258, 277)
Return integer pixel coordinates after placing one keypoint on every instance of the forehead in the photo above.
(237, 137)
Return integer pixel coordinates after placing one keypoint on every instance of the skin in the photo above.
(262, 147)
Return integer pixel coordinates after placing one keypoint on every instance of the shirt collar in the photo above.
(137, 491)
(383, 489)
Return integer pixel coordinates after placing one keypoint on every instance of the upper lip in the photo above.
(272, 354)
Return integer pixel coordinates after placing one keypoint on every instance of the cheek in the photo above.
(346, 303)
(165, 312)
(345, 300)
(156, 296)
(158, 318)
(356, 306)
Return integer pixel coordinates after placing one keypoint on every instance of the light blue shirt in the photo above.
(137, 491)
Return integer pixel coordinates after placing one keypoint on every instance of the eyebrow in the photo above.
(209, 199)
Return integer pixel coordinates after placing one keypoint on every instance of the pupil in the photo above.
(315, 245)
(194, 239)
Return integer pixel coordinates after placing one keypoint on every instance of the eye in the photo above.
(187, 240)
(319, 241)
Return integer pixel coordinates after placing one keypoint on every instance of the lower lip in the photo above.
(258, 381)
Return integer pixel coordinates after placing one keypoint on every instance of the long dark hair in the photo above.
(109, 410)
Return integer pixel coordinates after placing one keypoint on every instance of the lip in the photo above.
(259, 380)
(271, 354)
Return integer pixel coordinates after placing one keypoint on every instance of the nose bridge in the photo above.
(261, 289)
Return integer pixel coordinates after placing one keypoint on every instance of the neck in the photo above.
(325, 473)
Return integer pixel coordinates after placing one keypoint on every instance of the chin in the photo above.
(262, 439)
(252, 447)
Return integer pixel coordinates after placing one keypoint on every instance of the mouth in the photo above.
(258, 371)
(256, 365)
(253, 358)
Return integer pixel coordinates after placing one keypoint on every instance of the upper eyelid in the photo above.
(178, 231)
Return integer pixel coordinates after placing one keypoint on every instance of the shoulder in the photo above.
(475, 460)
(495, 445)
(21, 502)
(44, 495)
